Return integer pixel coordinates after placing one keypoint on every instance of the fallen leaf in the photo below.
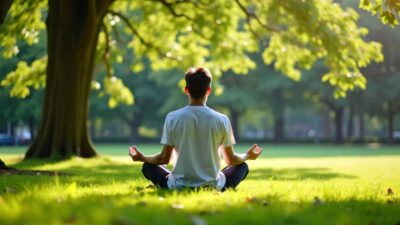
(265, 203)
(257, 200)
(249, 199)
(141, 203)
(317, 201)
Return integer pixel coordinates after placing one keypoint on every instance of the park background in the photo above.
(325, 114)
(263, 105)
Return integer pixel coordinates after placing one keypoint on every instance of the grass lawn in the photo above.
(290, 184)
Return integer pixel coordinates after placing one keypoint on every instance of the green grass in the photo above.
(293, 184)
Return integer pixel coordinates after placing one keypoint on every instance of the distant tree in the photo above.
(382, 96)
(27, 110)
(238, 95)
(172, 34)
(321, 96)
(274, 92)
(149, 98)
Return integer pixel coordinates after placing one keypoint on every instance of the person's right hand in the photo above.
(135, 154)
(254, 152)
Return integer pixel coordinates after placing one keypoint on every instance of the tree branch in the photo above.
(169, 6)
(106, 54)
(328, 102)
(5, 6)
(171, 9)
(116, 33)
(251, 15)
(102, 6)
(141, 39)
(123, 115)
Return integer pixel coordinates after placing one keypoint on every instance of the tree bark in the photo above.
(72, 31)
(390, 120)
(134, 128)
(362, 125)
(279, 111)
(350, 122)
(279, 134)
(2, 165)
(338, 125)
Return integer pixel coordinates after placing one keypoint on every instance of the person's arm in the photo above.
(232, 158)
(158, 159)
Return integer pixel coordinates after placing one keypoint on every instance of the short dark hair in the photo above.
(198, 80)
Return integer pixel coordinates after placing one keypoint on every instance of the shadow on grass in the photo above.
(209, 207)
(109, 171)
(296, 174)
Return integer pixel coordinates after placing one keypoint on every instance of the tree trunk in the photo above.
(390, 118)
(362, 125)
(12, 129)
(350, 122)
(279, 134)
(327, 124)
(134, 125)
(5, 5)
(338, 125)
(72, 33)
(235, 115)
(2, 165)
(279, 111)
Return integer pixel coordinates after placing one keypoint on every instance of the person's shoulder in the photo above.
(218, 115)
(175, 113)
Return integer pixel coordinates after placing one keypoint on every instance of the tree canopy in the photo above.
(169, 34)
(292, 35)
(388, 10)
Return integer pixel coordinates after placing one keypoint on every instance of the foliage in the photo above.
(24, 22)
(217, 34)
(28, 109)
(25, 76)
(118, 92)
(388, 10)
(302, 185)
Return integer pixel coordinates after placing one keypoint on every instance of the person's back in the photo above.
(197, 132)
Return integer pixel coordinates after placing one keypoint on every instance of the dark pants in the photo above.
(158, 174)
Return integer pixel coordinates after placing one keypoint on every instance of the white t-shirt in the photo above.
(196, 132)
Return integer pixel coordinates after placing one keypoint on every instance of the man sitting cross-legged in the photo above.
(195, 133)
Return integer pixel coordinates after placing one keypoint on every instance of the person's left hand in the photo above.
(135, 154)
(254, 152)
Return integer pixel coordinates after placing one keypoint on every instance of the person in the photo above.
(195, 133)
